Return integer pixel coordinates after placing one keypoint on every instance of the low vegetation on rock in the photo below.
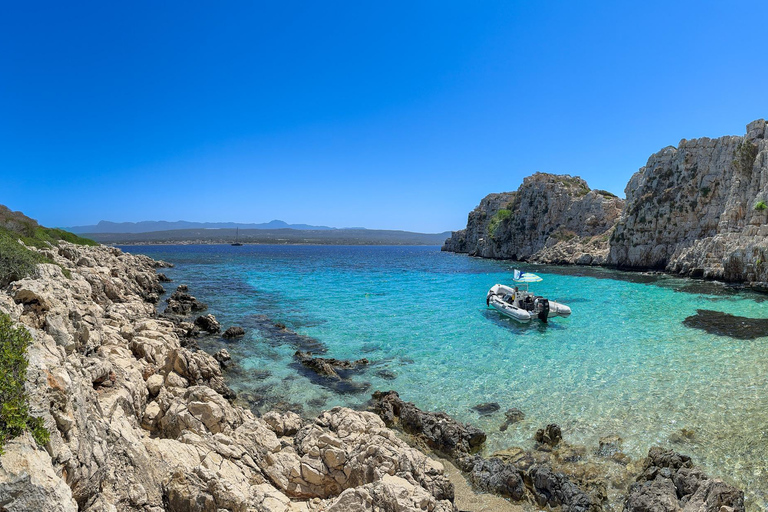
(14, 407)
(17, 234)
(499, 217)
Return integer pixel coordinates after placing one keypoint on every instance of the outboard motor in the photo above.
(543, 309)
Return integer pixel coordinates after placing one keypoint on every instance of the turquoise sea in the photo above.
(624, 363)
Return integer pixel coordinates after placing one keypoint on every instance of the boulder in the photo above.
(208, 323)
(234, 332)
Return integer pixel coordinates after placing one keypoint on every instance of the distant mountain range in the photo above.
(149, 226)
(274, 232)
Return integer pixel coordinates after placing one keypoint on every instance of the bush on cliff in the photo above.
(499, 217)
(14, 407)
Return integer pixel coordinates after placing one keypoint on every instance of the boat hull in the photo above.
(523, 305)
(512, 312)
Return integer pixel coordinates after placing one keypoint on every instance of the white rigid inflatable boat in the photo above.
(522, 305)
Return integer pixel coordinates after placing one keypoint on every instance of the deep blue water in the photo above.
(623, 363)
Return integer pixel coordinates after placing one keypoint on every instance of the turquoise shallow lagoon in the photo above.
(623, 363)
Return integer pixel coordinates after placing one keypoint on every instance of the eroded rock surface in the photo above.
(670, 482)
(438, 430)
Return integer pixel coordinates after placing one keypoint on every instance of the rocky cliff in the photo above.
(699, 210)
(549, 219)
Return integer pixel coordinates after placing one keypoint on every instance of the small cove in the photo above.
(624, 363)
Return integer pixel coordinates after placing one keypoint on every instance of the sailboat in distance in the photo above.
(237, 243)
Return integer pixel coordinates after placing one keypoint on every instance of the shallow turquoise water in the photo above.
(623, 363)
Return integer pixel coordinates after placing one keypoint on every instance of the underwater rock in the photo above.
(486, 409)
(386, 374)
(234, 332)
(437, 429)
(725, 324)
(328, 367)
(278, 334)
(609, 445)
(512, 416)
(333, 373)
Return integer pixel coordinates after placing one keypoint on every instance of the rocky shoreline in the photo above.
(697, 210)
(140, 419)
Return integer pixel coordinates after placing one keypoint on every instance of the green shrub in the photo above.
(14, 407)
(499, 217)
(760, 206)
(16, 261)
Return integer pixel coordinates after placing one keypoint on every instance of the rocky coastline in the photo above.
(140, 419)
(696, 210)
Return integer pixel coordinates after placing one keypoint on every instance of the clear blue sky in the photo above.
(395, 115)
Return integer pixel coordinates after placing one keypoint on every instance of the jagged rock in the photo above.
(234, 332)
(328, 367)
(285, 424)
(223, 357)
(181, 303)
(494, 475)
(549, 435)
(438, 430)
(391, 494)
(669, 482)
(163, 278)
(28, 481)
(208, 323)
(556, 489)
(343, 448)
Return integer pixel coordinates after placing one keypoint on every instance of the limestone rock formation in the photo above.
(140, 422)
(700, 210)
(549, 219)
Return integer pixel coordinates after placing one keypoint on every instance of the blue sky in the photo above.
(393, 115)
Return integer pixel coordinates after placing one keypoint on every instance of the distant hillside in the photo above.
(275, 236)
(147, 226)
